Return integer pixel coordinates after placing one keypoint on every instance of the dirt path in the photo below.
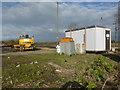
(60, 70)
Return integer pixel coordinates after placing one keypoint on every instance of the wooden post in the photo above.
(95, 40)
(85, 38)
(71, 32)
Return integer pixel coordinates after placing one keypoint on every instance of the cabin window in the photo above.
(107, 35)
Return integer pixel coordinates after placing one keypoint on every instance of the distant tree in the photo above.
(10, 42)
(71, 27)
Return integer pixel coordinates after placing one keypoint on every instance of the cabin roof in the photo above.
(86, 28)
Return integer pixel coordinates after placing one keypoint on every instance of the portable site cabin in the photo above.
(91, 39)
(67, 46)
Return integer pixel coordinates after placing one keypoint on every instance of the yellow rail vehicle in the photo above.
(25, 43)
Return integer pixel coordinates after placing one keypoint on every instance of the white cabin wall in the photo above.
(67, 34)
(78, 36)
(90, 39)
(100, 39)
(95, 38)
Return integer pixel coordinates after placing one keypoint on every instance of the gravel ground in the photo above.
(39, 50)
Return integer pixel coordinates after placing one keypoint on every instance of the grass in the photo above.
(22, 71)
(0, 72)
(115, 44)
(0, 77)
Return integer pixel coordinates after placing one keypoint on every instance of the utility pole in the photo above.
(115, 34)
(57, 23)
(71, 32)
(101, 20)
(116, 29)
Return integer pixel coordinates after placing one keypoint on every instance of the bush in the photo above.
(98, 71)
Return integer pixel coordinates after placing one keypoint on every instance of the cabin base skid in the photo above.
(97, 52)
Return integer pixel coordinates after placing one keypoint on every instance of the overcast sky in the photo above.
(39, 19)
(60, 0)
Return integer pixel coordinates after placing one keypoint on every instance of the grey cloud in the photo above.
(30, 14)
(60, 0)
(39, 19)
(84, 16)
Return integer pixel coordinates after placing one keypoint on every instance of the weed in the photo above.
(88, 68)
(91, 85)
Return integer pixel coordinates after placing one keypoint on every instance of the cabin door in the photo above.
(107, 37)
